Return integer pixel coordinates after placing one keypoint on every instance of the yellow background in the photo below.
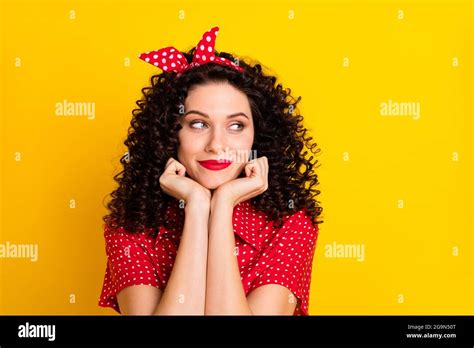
(399, 186)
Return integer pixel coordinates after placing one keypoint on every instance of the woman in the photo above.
(215, 167)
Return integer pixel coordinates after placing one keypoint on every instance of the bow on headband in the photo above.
(170, 59)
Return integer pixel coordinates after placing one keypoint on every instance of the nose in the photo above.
(216, 142)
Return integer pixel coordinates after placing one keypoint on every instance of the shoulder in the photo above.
(121, 238)
(298, 234)
(296, 227)
(302, 221)
(299, 224)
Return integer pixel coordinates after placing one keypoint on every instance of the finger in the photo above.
(265, 166)
(263, 170)
(180, 169)
(250, 170)
(175, 167)
(263, 163)
(168, 163)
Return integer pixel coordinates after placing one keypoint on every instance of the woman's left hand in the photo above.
(241, 189)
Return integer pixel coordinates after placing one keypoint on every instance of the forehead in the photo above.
(216, 98)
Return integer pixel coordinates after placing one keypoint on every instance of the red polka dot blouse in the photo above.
(265, 255)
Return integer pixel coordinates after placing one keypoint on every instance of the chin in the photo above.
(212, 184)
(212, 181)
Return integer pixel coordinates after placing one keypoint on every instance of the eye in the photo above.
(196, 122)
(238, 124)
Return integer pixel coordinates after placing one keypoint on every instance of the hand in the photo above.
(174, 183)
(241, 189)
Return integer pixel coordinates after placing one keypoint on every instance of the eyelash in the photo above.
(240, 124)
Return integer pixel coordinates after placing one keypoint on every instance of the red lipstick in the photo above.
(215, 164)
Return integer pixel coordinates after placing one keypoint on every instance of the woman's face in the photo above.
(217, 125)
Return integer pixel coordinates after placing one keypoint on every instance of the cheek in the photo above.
(244, 142)
(185, 147)
(250, 135)
(241, 150)
(190, 147)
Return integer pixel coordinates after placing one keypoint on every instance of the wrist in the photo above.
(199, 201)
(219, 200)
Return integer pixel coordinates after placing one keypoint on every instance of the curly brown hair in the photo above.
(139, 202)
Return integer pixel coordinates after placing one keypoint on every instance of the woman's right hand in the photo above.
(174, 183)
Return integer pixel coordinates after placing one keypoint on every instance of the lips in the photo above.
(215, 164)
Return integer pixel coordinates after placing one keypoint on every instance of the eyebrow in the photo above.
(207, 116)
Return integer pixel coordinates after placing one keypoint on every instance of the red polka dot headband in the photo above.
(170, 59)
